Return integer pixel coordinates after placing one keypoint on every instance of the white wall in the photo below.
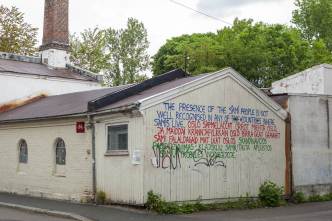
(20, 86)
(311, 143)
(39, 176)
(188, 171)
(310, 81)
(117, 176)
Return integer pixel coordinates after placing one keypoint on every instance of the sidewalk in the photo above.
(98, 213)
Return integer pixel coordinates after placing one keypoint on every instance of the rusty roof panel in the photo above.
(77, 103)
(59, 105)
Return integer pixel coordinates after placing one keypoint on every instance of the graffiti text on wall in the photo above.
(208, 135)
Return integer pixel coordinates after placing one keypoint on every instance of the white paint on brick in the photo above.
(37, 178)
(55, 58)
(17, 86)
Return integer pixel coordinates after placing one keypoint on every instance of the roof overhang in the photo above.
(211, 78)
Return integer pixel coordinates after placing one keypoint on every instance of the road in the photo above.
(18, 215)
(304, 212)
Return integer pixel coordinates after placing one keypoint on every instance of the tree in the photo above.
(314, 19)
(263, 53)
(120, 54)
(16, 36)
(88, 50)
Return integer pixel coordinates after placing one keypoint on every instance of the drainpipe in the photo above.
(93, 140)
(328, 123)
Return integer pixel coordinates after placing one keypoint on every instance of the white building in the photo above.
(307, 97)
(23, 77)
(209, 137)
(315, 80)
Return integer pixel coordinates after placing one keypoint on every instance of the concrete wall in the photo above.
(21, 86)
(310, 81)
(229, 161)
(311, 143)
(117, 175)
(40, 176)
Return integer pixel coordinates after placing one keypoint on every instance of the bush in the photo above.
(270, 194)
(101, 197)
(299, 197)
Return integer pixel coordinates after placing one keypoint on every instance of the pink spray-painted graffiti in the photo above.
(207, 135)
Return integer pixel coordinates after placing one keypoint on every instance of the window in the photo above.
(60, 152)
(117, 137)
(23, 151)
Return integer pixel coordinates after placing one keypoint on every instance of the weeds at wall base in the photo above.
(157, 204)
(300, 197)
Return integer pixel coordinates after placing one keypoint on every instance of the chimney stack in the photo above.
(54, 50)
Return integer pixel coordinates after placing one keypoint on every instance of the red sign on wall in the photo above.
(80, 127)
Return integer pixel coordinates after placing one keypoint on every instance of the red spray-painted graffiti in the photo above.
(209, 134)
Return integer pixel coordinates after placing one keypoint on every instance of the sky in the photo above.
(163, 19)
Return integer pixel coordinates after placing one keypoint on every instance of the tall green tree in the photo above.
(263, 53)
(88, 50)
(314, 19)
(16, 36)
(121, 55)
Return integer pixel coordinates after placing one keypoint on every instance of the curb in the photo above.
(46, 212)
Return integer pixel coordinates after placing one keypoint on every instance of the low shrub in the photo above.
(270, 194)
(299, 197)
(101, 197)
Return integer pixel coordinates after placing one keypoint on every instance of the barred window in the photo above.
(23, 151)
(60, 152)
(117, 137)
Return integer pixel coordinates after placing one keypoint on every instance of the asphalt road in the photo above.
(18, 215)
(304, 212)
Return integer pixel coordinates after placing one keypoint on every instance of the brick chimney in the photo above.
(54, 50)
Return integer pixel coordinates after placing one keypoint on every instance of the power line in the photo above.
(200, 12)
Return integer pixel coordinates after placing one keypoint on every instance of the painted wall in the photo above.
(117, 175)
(40, 176)
(310, 81)
(21, 86)
(214, 142)
(311, 143)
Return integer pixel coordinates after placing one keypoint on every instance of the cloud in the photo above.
(224, 8)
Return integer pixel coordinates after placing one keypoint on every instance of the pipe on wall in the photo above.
(93, 144)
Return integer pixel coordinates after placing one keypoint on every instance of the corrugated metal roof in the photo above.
(20, 67)
(77, 103)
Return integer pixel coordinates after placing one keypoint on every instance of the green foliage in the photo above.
(120, 54)
(16, 36)
(320, 198)
(299, 197)
(263, 53)
(101, 197)
(270, 194)
(159, 205)
(314, 19)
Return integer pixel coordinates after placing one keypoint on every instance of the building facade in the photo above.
(209, 137)
(50, 73)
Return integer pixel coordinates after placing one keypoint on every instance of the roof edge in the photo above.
(137, 88)
(206, 79)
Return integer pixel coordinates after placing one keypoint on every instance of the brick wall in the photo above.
(40, 176)
(56, 30)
